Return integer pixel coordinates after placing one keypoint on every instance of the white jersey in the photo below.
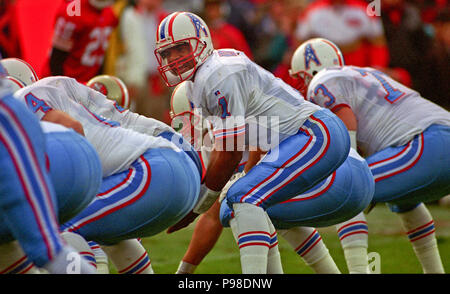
(233, 93)
(118, 135)
(388, 113)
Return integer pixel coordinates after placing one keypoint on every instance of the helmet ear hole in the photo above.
(314, 72)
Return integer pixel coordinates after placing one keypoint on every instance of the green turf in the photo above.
(385, 238)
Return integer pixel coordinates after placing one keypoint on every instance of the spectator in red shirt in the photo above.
(81, 39)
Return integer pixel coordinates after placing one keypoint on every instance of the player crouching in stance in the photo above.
(404, 138)
(308, 144)
(151, 178)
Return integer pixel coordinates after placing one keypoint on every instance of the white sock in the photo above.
(308, 244)
(274, 265)
(185, 268)
(419, 226)
(78, 243)
(353, 235)
(129, 257)
(68, 261)
(14, 261)
(100, 258)
(253, 237)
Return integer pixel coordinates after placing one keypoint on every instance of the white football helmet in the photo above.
(311, 57)
(112, 87)
(176, 30)
(19, 69)
(184, 119)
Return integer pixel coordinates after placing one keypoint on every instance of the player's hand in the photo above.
(184, 222)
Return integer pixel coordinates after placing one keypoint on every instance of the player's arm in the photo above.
(62, 118)
(221, 167)
(347, 116)
(253, 158)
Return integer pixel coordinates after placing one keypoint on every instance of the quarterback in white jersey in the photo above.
(404, 137)
(248, 106)
(296, 218)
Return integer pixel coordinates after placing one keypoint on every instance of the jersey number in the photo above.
(393, 94)
(223, 103)
(36, 104)
(98, 39)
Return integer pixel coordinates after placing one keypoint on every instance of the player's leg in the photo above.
(274, 265)
(308, 244)
(419, 227)
(335, 200)
(81, 246)
(129, 257)
(101, 259)
(206, 233)
(75, 170)
(14, 261)
(27, 203)
(354, 239)
(291, 168)
(159, 189)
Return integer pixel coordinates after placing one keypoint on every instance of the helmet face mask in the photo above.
(183, 43)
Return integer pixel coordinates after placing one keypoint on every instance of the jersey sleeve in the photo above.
(227, 107)
(331, 93)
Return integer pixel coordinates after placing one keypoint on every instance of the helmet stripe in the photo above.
(171, 24)
(341, 62)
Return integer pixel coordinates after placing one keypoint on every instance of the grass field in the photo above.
(386, 237)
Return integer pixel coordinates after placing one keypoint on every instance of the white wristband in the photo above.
(206, 200)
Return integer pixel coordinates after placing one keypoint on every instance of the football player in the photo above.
(404, 138)
(28, 197)
(308, 143)
(80, 40)
(143, 162)
(306, 241)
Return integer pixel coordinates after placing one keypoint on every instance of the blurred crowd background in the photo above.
(408, 39)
